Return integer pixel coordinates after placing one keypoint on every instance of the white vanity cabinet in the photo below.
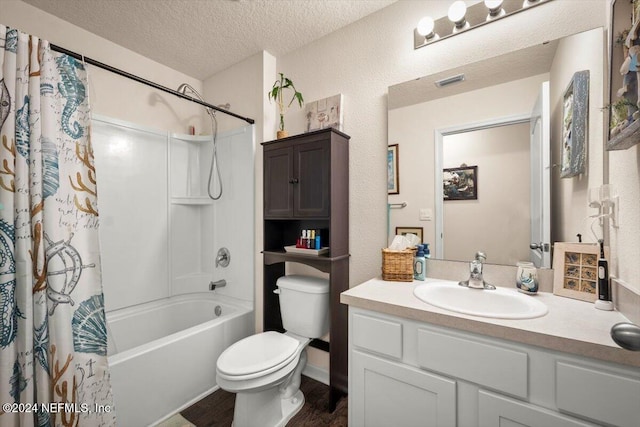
(404, 372)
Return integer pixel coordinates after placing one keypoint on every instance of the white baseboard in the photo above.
(318, 374)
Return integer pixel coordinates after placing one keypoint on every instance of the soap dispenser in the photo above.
(419, 264)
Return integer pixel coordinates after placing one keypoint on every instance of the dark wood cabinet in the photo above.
(297, 179)
(306, 186)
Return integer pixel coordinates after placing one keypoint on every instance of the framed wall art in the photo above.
(575, 110)
(393, 175)
(460, 183)
(575, 270)
(324, 113)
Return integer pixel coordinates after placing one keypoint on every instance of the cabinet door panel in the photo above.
(311, 169)
(386, 393)
(592, 392)
(505, 370)
(499, 411)
(278, 190)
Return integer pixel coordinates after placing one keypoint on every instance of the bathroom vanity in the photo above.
(412, 363)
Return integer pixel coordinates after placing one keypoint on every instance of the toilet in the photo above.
(264, 369)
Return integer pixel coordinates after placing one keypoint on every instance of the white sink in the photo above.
(501, 303)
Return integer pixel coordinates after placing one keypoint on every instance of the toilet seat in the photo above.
(257, 356)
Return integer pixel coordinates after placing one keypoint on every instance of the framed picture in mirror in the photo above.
(393, 175)
(575, 110)
(460, 183)
(418, 231)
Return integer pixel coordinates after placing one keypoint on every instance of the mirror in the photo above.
(489, 120)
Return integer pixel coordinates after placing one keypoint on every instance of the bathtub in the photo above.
(162, 355)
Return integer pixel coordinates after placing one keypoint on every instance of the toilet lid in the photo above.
(257, 353)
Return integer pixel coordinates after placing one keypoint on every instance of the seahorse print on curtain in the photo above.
(22, 128)
(72, 89)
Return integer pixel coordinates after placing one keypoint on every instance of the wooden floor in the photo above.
(216, 410)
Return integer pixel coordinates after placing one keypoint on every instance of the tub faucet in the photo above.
(475, 274)
(217, 284)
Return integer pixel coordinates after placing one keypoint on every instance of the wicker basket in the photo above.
(397, 266)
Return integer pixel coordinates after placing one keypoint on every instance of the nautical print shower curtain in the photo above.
(53, 340)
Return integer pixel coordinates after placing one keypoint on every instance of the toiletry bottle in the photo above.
(318, 245)
(419, 264)
(312, 240)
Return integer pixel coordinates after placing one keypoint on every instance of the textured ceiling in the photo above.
(203, 37)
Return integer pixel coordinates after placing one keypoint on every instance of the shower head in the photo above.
(185, 87)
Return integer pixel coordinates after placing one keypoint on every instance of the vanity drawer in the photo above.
(381, 336)
(489, 365)
(608, 397)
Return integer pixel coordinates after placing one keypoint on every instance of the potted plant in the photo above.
(277, 94)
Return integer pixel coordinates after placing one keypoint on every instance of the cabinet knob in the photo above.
(293, 181)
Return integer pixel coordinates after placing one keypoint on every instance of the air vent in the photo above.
(450, 80)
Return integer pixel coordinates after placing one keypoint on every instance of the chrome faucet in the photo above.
(217, 284)
(475, 274)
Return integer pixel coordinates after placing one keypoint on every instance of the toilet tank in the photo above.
(304, 305)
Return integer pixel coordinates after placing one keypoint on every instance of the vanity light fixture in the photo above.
(465, 18)
(449, 80)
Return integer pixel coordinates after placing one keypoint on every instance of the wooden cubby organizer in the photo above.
(306, 186)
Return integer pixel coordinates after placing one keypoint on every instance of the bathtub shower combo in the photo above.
(160, 233)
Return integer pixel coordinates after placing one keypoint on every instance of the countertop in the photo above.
(570, 326)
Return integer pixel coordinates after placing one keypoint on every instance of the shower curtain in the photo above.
(53, 340)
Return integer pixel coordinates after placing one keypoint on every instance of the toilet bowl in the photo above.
(264, 369)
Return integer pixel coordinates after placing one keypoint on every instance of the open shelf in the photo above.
(627, 138)
(321, 262)
(201, 200)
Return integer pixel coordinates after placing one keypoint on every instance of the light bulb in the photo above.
(495, 9)
(425, 27)
(493, 4)
(456, 13)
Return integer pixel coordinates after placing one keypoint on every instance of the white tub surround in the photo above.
(571, 326)
(162, 355)
(412, 363)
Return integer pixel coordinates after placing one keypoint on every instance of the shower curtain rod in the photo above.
(145, 81)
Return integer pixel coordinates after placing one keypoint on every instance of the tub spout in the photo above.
(217, 284)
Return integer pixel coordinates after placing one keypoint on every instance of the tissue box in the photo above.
(397, 266)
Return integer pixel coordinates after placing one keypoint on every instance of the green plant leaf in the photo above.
(277, 94)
